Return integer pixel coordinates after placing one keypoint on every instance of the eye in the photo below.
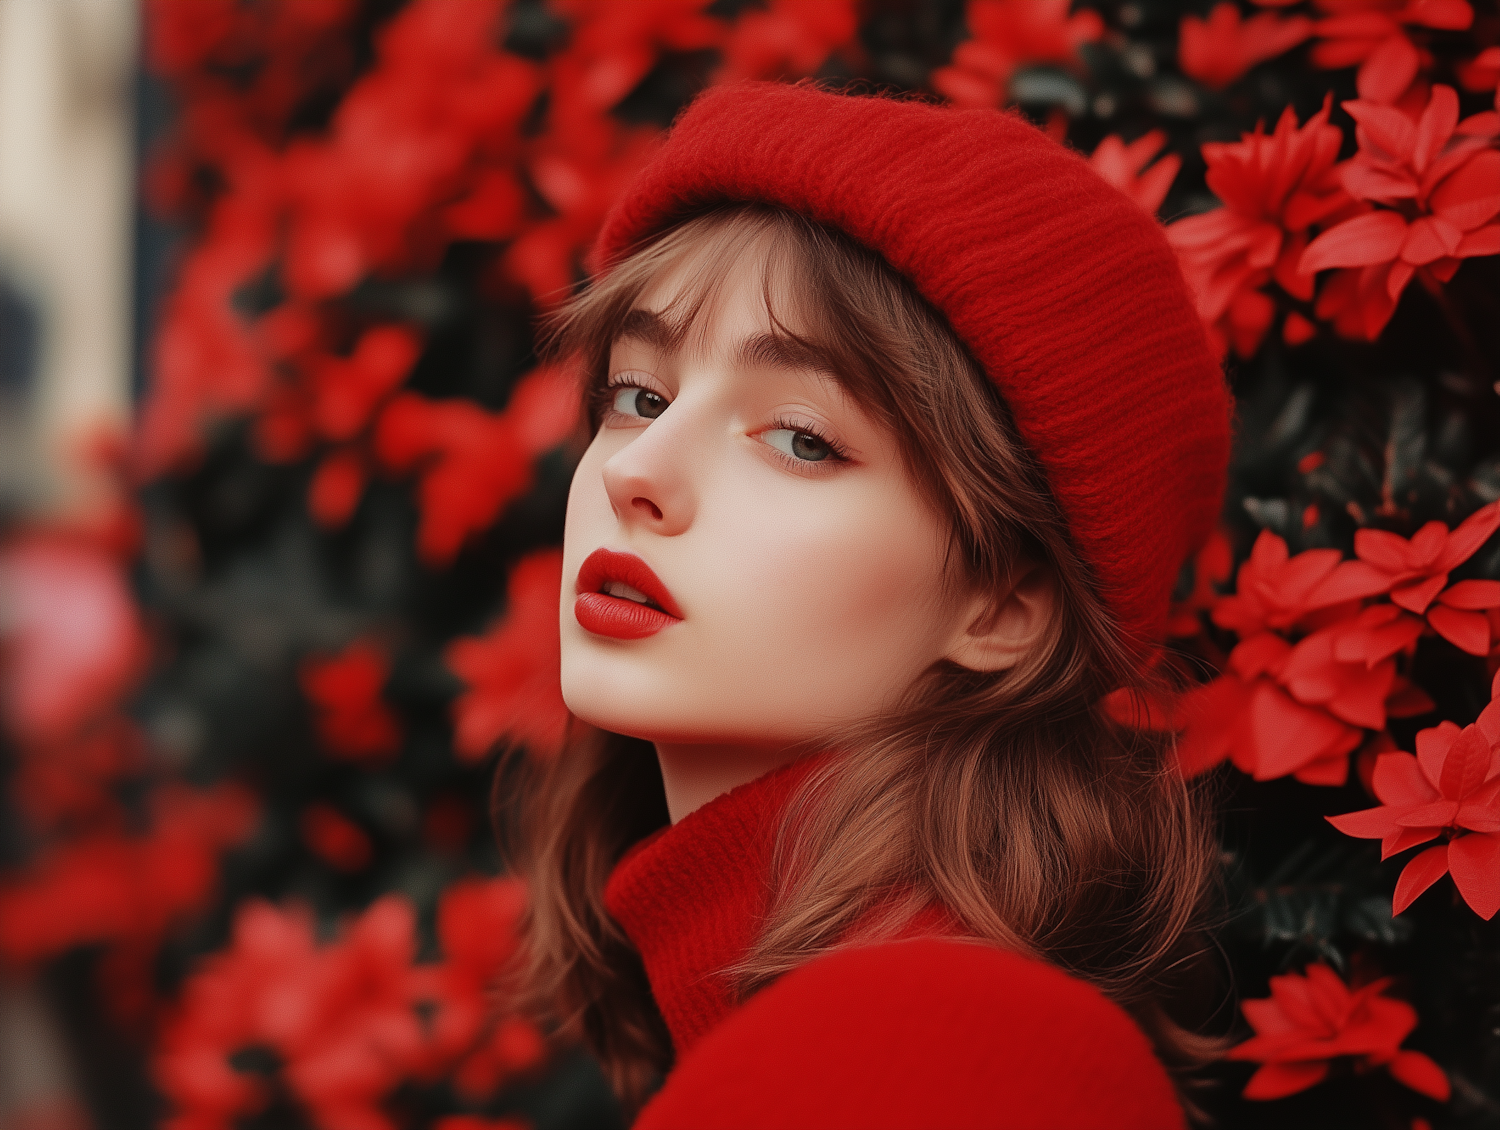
(799, 445)
(632, 400)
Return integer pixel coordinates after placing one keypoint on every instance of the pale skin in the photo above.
(808, 566)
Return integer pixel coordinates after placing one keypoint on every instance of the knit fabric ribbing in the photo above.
(1062, 289)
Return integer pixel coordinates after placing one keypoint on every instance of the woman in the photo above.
(902, 426)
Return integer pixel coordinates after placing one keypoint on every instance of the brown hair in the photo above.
(1012, 798)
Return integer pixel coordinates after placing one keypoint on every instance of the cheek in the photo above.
(838, 591)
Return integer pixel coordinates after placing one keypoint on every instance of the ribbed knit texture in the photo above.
(692, 895)
(922, 1032)
(1063, 290)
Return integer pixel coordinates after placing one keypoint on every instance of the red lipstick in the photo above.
(622, 617)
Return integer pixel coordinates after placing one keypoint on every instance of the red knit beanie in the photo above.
(1063, 290)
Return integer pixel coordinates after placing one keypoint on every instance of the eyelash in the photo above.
(603, 398)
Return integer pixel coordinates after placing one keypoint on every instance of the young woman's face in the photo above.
(800, 570)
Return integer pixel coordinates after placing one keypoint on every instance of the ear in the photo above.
(998, 634)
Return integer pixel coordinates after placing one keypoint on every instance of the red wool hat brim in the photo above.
(1063, 289)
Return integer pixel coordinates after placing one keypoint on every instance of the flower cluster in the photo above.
(1313, 1019)
(1317, 667)
(1450, 789)
(349, 1021)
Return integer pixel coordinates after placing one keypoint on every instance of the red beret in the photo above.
(1062, 288)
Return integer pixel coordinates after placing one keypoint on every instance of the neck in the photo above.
(693, 774)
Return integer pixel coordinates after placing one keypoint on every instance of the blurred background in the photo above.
(282, 482)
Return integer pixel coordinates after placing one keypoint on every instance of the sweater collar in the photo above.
(692, 896)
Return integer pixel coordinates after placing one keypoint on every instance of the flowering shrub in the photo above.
(251, 707)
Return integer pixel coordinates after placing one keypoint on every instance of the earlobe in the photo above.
(997, 635)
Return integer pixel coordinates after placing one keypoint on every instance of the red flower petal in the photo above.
(1363, 241)
(1420, 1074)
(1430, 238)
(1471, 533)
(1435, 126)
(1399, 780)
(1432, 749)
(1384, 128)
(1353, 580)
(1468, 631)
(1475, 862)
(1471, 195)
(1386, 74)
(1484, 241)
(1415, 597)
(1472, 595)
(1367, 824)
(1465, 766)
(1423, 871)
(1277, 1080)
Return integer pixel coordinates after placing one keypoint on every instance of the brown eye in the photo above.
(632, 401)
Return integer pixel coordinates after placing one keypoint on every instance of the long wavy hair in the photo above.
(1014, 798)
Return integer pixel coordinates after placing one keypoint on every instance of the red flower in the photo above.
(1220, 49)
(1008, 36)
(1415, 572)
(335, 839)
(1312, 1018)
(1482, 72)
(108, 887)
(353, 723)
(788, 39)
(1374, 34)
(1276, 591)
(1436, 179)
(513, 671)
(1281, 709)
(345, 1019)
(1451, 788)
(1275, 189)
(472, 462)
(72, 639)
(1122, 165)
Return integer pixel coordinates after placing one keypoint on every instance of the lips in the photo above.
(609, 583)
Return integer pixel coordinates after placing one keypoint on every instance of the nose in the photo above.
(649, 480)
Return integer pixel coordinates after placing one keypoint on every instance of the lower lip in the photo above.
(618, 618)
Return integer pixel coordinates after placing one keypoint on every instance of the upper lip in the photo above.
(606, 565)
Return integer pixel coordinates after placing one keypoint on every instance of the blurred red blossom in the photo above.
(513, 671)
(1008, 36)
(345, 1019)
(1211, 568)
(470, 462)
(1275, 190)
(352, 721)
(1376, 35)
(1220, 49)
(71, 639)
(1482, 73)
(117, 888)
(1436, 180)
(788, 38)
(1451, 788)
(1125, 166)
(1312, 1018)
(335, 839)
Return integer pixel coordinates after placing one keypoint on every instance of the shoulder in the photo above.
(930, 1032)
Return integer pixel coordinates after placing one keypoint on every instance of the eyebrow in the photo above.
(758, 350)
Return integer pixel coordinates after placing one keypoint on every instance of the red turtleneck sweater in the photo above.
(921, 1031)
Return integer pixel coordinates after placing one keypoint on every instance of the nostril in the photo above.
(648, 506)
